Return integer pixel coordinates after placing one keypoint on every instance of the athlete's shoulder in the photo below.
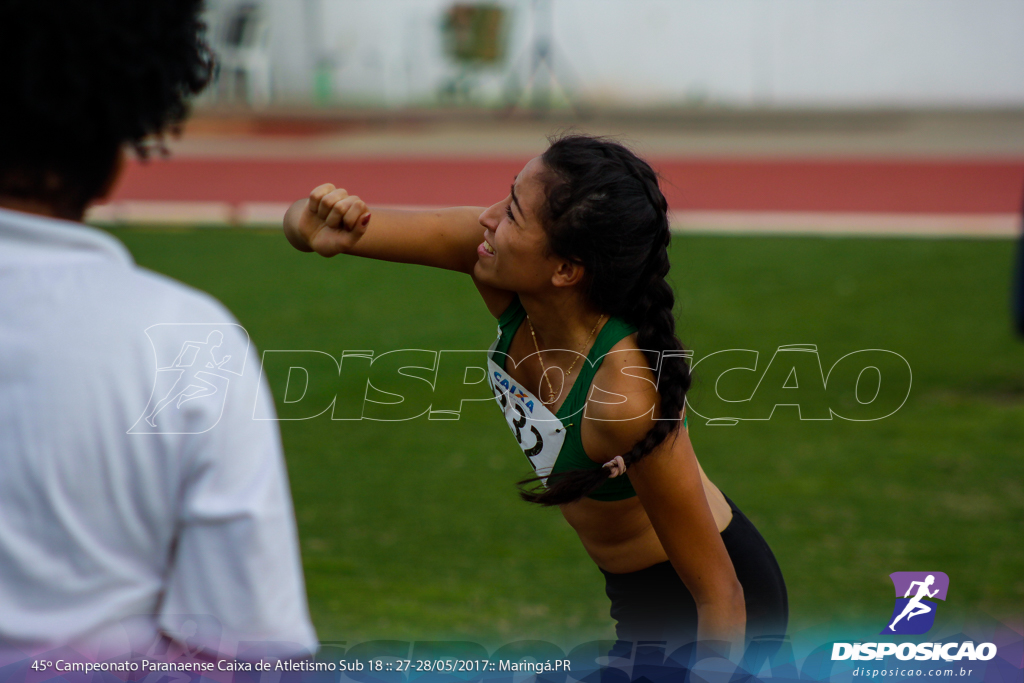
(623, 370)
(622, 403)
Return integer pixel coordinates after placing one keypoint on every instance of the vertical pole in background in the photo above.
(542, 57)
(539, 59)
(762, 52)
(321, 66)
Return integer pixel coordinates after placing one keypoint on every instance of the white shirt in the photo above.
(111, 528)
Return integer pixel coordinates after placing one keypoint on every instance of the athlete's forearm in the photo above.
(724, 619)
(442, 238)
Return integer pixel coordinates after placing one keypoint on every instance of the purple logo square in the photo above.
(914, 613)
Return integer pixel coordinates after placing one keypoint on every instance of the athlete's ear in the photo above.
(568, 274)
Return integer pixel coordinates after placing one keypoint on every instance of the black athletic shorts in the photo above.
(654, 604)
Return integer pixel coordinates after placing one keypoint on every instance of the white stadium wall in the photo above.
(740, 53)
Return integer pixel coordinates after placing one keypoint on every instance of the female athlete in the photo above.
(573, 262)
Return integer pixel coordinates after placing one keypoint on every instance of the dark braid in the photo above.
(604, 210)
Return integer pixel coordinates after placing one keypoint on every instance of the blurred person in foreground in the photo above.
(572, 263)
(139, 502)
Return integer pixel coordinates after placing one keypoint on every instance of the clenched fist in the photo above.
(330, 222)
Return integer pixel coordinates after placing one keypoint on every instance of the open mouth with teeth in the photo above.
(488, 248)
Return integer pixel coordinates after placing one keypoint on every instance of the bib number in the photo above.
(538, 432)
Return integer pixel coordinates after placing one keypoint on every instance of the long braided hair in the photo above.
(605, 211)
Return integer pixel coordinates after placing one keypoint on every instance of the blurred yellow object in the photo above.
(474, 33)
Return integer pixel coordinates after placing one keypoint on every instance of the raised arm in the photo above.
(331, 221)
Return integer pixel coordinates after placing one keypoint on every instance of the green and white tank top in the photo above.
(552, 442)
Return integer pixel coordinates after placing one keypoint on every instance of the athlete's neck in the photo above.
(563, 321)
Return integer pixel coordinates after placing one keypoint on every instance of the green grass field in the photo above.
(413, 530)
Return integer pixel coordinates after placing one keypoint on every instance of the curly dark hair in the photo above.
(605, 210)
(82, 79)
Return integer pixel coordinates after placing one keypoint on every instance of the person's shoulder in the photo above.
(624, 368)
(623, 400)
(188, 303)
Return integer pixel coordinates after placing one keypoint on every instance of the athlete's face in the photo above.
(514, 254)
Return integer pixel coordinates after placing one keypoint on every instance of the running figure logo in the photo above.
(194, 364)
(914, 615)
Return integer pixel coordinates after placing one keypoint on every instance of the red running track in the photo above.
(884, 186)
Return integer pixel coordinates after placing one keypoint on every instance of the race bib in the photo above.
(539, 433)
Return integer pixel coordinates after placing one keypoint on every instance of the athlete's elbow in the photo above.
(725, 594)
(733, 597)
(722, 591)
